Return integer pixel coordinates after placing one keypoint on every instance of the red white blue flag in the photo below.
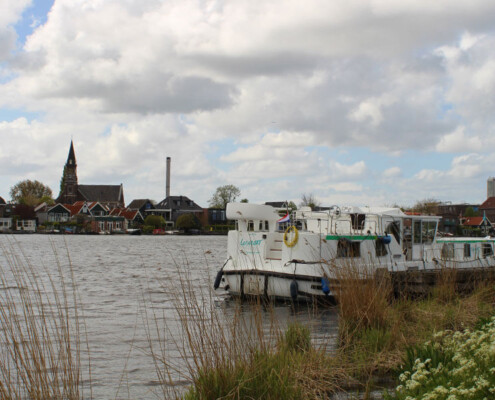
(285, 218)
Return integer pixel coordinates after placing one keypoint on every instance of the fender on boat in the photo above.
(293, 289)
(385, 239)
(325, 287)
(218, 279)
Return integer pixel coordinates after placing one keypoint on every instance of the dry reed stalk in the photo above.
(362, 294)
(41, 329)
(230, 346)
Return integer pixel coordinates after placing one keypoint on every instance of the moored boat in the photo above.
(304, 255)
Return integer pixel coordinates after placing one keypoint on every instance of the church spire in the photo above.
(71, 159)
(68, 183)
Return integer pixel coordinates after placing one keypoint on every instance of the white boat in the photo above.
(305, 257)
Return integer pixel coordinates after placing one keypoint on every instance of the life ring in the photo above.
(295, 233)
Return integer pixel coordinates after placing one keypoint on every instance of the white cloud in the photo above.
(458, 142)
(393, 172)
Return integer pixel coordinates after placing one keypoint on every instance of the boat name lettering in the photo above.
(250, 242)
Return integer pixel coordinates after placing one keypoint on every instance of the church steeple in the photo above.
(71, 159)
(68, 183)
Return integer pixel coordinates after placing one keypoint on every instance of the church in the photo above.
(71, 191)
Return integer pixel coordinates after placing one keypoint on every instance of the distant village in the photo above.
(100, 209)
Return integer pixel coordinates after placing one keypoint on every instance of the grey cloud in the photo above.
(259, 64)
(7, 43)
(161, 93)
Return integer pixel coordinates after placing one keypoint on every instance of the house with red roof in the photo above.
(133, 218)
(471, 224)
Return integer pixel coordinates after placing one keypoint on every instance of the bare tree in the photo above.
(309, 200)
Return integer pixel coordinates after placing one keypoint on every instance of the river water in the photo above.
(129, 296)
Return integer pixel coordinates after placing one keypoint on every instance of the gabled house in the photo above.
(58, 213)
(133, 218)
(144, 206)
(93, 209)
(481, 223)
(172, 207)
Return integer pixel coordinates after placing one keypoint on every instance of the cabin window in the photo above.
(357, 221)
(267, 226)
(428, 231)
(448, 251)
(417, 232)
(346, 248)
(250, 226)
(394, 229)
(487, 249)
(381, 248)
(467, 250)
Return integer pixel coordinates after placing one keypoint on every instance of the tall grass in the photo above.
(239, 351)
(40, 335)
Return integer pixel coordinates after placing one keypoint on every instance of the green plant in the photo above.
(156, 221)
(187, 221)
(454, 365)
(297, 338)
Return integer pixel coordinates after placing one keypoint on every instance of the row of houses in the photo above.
(98, 217)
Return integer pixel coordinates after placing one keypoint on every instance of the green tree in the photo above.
(187, 221)
(223, 195)
(292, 206)
(156, 221)
(30, 193)
(244, 201)
(471, 213)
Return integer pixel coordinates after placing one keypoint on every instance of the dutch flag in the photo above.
(285, 218)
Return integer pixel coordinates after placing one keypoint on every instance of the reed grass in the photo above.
(41, 331)
(237, 351)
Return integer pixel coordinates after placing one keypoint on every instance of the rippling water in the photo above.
(121, 278)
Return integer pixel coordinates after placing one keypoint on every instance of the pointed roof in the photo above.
(475, 221)
(103, 193)
(489, 203)
(71, 159)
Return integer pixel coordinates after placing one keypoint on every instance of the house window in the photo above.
(448, 251)
(467, 250)
(346, 248)
(250, 226)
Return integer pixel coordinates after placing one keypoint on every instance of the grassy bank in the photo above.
(377, 335)
(242, 350)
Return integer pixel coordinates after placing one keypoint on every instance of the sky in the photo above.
(357, 102)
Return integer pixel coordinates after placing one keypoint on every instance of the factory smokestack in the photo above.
(167, 184)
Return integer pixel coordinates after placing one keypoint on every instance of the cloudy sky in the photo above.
(358, 102)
